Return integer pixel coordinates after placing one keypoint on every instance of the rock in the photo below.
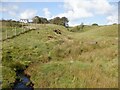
(57, 31)
(50, 37)
(71, 61)
(116, 38)
(92, 42)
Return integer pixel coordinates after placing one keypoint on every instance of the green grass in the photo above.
(85, 28)
(57, 74)
(68, 60)
(8, 77)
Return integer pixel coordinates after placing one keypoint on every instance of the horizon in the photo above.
(102, 12)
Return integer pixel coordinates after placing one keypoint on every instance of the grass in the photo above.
(61, 73)
(8, 77)
(67, 60)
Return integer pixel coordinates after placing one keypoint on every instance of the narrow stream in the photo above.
(22, 82)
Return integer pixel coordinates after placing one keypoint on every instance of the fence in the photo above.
(12, 32)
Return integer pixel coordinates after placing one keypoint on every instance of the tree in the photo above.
(41, 20)
(114, 23)
(59, 21)
(51, 21)
(56, 20)
(82, 25)
(36, 19)
(64, 21)
(94, 24)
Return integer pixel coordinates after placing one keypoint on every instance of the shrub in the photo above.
(10, 23)
(76, 29)
(94, 24)
(114, 23)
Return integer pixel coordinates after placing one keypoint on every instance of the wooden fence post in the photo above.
(15, 31)
(6, 34)
(22, 27)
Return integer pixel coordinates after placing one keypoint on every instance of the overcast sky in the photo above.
(77, 11)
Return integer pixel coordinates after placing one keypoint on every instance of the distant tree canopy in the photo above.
(57, 20)
(78, 28)
(36, 19)
(41, 20)
(11, 23)
(82, 25)
(94, 24)
(114, 23)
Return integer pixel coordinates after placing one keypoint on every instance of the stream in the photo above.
(22, 82)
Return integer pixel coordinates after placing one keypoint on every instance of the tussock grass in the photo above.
(87, 59)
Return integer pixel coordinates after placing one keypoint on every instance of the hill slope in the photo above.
(68, 60)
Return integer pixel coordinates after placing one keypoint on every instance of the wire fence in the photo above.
(1, 79)
(12, 32)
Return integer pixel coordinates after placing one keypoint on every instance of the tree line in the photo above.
(10, 23)
(57, 20)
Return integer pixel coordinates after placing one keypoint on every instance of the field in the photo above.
(80, 59)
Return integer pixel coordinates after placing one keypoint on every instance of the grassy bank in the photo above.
(67, 60)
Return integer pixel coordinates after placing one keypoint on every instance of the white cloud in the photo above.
(11, 10)
(46, 12)
(8, 8)
(73, 23)
(79, 9)
(32, 0)
(113, 16)
(12, 13)
(112, 19)
(102, 6)
(3, 9)
(76, 14)
(76, 9)
(28, 14)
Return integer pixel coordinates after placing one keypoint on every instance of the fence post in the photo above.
(22, 27)
(6, 34)
(15, 31)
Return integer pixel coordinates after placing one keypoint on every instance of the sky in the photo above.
(102, 12)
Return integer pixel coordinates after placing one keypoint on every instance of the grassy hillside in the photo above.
(86, 59)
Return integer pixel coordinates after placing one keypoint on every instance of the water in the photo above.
(21, 84)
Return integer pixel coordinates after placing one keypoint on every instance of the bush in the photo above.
(10, 23)
(76, 29)
(114, 23)
(94, 24)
